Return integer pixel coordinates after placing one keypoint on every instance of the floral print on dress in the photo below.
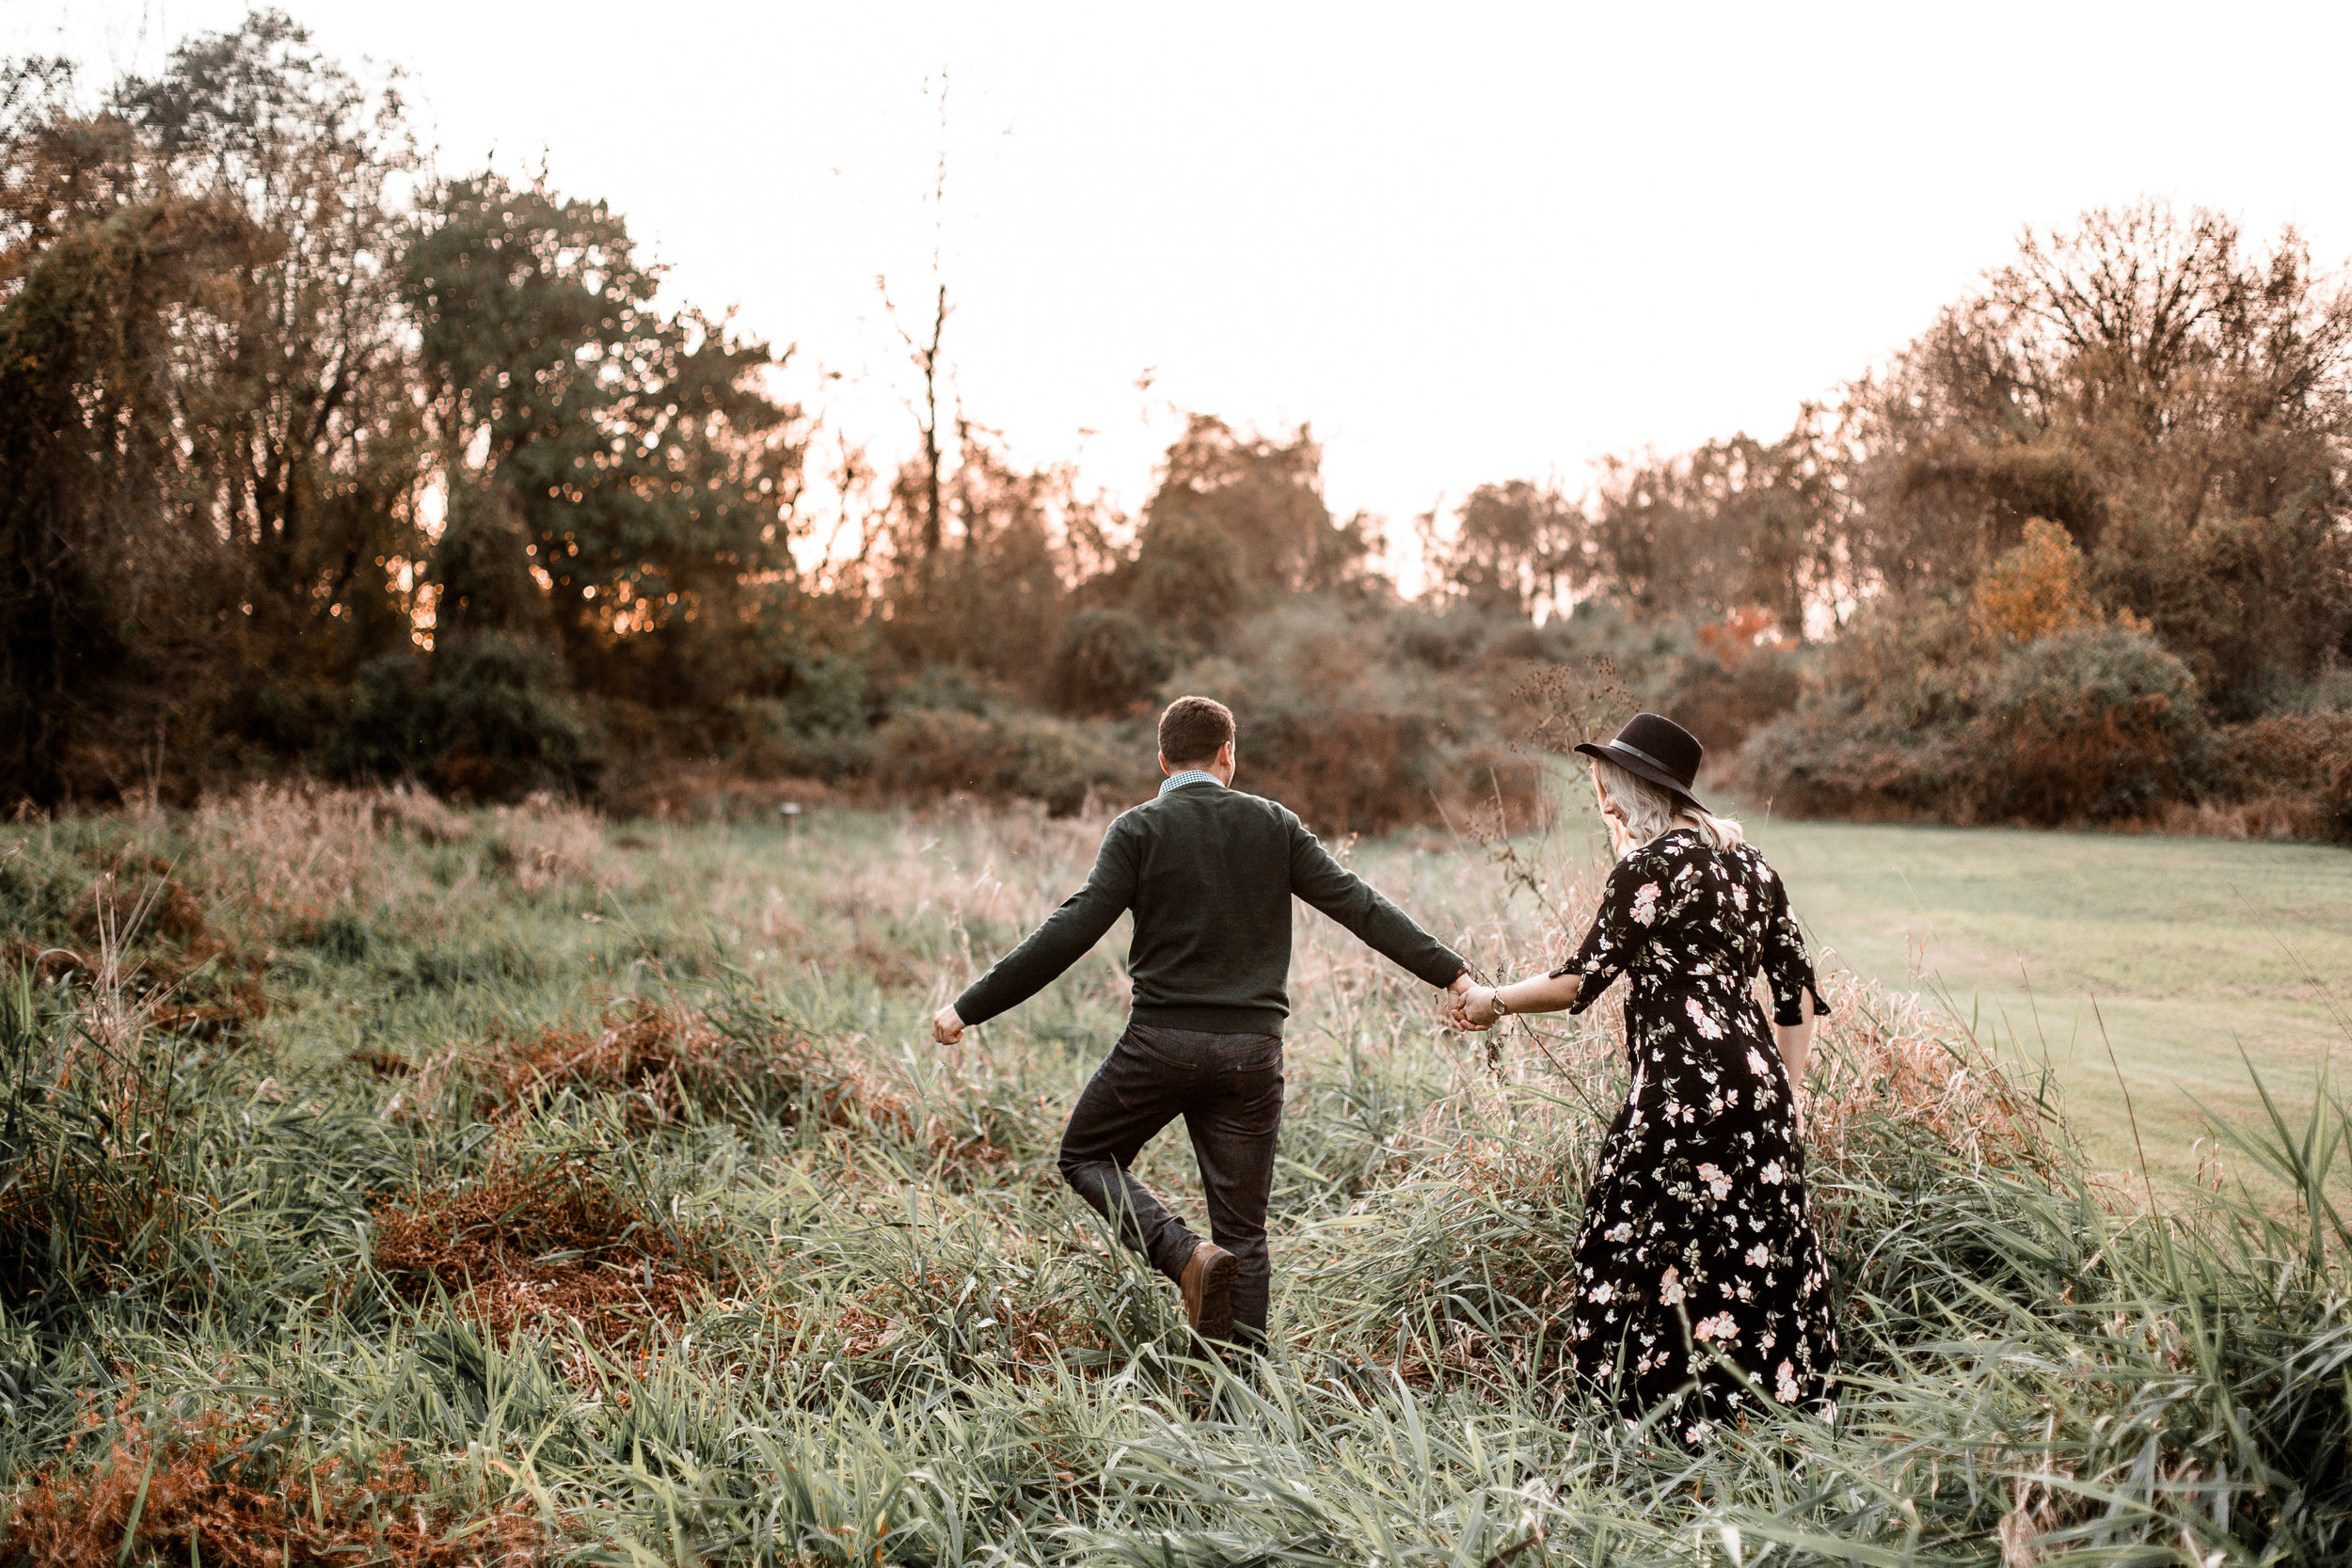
(1698, 1252)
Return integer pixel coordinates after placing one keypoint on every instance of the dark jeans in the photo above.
(1228, 1090)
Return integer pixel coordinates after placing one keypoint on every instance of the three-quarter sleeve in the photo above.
(1787, 963)
(1628, 905)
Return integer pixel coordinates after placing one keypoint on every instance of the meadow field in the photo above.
(385, 1183)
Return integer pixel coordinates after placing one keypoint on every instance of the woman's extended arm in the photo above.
(1544, 993)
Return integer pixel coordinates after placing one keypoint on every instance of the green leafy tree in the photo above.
(619, 478)
(210, 436)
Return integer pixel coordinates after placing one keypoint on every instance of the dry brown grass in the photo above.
(2270, 815)
(223, 1491)
(549, 1238)
(293, 853)
(1894, 1058)
(290, 855)
(670, 789)
(546, 842)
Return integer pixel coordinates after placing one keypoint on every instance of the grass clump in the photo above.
(139, 1178)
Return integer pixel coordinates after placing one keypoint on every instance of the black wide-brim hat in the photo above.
(1652, 746)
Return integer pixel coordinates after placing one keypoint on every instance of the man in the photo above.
(1209, 872)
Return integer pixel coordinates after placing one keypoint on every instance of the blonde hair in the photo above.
(1644, 810)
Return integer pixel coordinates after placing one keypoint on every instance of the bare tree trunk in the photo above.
(929, 357)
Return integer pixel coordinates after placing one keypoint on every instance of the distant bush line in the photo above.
(318, 462)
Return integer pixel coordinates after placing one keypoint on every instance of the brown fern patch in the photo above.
(546, 1240)
(224, 1491)
(665, 1059)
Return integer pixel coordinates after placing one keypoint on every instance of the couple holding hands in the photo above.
(1700, 1287)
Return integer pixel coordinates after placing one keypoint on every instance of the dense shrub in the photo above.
(485, 718)
(2284, 753)
(2093, 723)
(940, 751)
(1109, 661)
(1338, 728)
(1724, 707)
(2296, 767)
(1345, 771)
(1740, 673)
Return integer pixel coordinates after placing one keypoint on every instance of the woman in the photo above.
(1697, 1253)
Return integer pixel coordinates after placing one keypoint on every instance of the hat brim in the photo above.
(1640, 768)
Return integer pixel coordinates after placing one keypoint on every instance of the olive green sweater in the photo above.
(1209, 872)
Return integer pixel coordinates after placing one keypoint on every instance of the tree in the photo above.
(209, 409)
(2179, 405)
(1514, 546)
(993, 590)
(304, 438)
(1729, 524)
(617, 477)
(1236, 522)
(1264, 498)
(86, 442)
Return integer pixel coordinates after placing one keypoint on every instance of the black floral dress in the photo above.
(1697, 1242)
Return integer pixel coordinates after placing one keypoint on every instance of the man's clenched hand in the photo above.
(1450, 1000)
(947, 1028)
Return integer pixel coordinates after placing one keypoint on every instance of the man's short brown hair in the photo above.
(1193, 728)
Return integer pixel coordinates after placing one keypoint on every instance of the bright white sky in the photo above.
(1467, 242)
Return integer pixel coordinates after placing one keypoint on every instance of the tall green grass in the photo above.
(920, 1350)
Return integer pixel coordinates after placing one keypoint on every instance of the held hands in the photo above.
(1465, 1007)
(947, 1028)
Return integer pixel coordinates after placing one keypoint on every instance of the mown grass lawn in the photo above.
(2176, 953)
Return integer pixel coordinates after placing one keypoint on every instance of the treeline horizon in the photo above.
(319, 461)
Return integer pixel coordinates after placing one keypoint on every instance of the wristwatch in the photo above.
(1502, 1009)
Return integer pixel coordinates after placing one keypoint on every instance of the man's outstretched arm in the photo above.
(1347, 898)
(1054, 947)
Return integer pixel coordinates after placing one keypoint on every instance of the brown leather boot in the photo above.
(1208, 1287)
